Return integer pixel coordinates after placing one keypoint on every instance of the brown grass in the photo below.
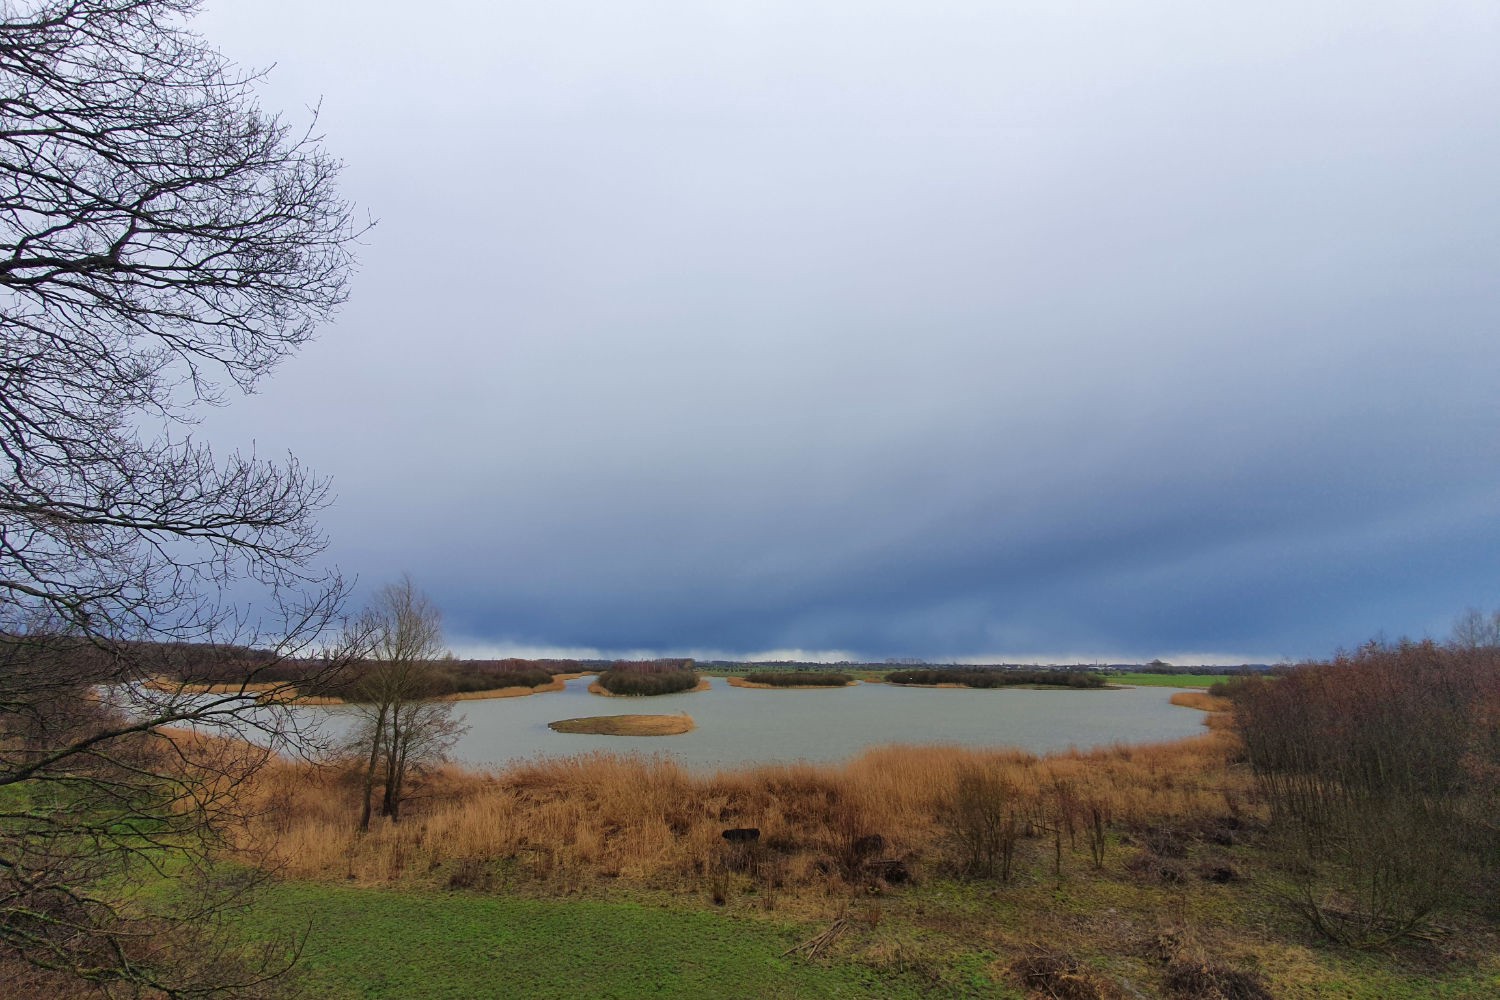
(1218, 718)
(557, 684)
(600, 817)
(282, 692)
(1201, 700)
(594, 688)
(167, 685)
(740, 682)
(626, 725)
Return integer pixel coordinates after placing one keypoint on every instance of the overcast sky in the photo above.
(1035, 330)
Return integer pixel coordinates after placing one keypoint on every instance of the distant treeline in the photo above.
(648, 677)
(1155, 667)
(995, 677)
(349, 680)
(797, 678)
(1159, 667)
(230, 665)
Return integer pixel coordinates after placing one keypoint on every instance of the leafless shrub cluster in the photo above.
(1379, 769)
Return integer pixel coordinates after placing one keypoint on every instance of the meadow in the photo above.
(1153, 870)
(1189, 870)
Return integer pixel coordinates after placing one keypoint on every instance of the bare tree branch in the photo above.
(163, 242)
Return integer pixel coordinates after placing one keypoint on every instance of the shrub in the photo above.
(627, 680)
(980, 815)
(1368, 763)
(1061, 976)
(1199, 980)
(797, 678)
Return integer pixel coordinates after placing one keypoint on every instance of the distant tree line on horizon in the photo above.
(993, 677)
(1153, 667)
(230, 665)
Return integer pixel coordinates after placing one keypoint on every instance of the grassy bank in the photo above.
(456, 946)
(944, 939)
(1169, 680)
(607, 876)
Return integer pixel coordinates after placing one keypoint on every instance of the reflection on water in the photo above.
(741, 726)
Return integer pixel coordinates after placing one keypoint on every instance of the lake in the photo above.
(738, 726)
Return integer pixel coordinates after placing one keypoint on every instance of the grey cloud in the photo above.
(906, 329)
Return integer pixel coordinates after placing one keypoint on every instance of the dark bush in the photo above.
(626, 679)
(983, 823)
(797, 678)
(1374, 765)
(1153, 867)
(1061, 976)
(1209, 981)
(992, 677)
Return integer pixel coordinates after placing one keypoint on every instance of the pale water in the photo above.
(744, 725)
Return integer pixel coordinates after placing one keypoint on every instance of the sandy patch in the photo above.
(626, 725)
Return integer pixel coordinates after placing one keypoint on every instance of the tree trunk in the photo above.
(364, 813)
(392, 764)
(398, 781)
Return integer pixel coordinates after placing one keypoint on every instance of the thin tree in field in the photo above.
(399, 726)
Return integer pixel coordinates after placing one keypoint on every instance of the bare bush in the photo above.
(1368, 763)
(981, 816)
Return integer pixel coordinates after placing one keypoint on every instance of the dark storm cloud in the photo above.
(907, 329)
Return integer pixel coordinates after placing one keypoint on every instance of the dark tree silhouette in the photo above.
(163, 243)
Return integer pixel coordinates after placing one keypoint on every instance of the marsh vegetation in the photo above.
(625, 725)
(792, 679)
(648, 677)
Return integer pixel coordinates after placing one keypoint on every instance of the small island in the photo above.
(644, 678)
(626, 725)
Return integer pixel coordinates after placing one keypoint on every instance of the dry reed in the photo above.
(626, 725)
(1202, 700)
(650, 821)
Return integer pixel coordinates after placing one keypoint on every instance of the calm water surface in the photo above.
(742, 725)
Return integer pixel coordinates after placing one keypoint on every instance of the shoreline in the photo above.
(287, 692)
(1217, 710)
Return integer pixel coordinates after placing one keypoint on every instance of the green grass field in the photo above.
(1169, 680)
(379, 943)
(940, 939)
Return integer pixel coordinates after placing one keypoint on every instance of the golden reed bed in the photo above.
(604, 817)
(626, 725)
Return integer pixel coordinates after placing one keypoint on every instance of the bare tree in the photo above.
(1474, 630)
(163, 241)
(399, 727)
